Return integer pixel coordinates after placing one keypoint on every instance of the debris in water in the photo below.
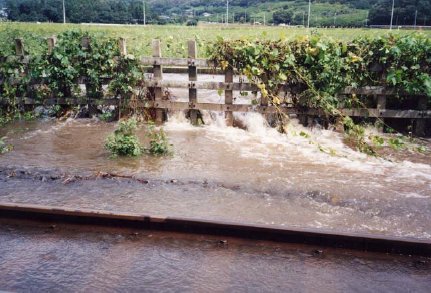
(317, 252)
(223, 243)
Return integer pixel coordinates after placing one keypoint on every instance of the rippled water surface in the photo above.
(253, 176)
(46, 258)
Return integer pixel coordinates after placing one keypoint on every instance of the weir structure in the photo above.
(377, 96)
(192, 66)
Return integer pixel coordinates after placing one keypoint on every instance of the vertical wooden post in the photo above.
(158, 76)
(19, 47)
(421, 123)
(20, 52)
(51, 44)
(86, 45)
(310, 121)
(122, 45)
(193, 76)
(228, 95)
(381, 106)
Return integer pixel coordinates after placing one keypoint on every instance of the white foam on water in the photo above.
(315, 146)
(51, 129)
(416, 195)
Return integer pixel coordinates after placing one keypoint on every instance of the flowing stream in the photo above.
(306, 178)
(250, 176)
(36, 257)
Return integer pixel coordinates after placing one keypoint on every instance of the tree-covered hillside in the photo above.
(293, 12)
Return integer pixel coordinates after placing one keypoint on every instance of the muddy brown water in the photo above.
(216, 173)
(250, 176)
(50, 257)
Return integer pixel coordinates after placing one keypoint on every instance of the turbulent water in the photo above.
(256, 175)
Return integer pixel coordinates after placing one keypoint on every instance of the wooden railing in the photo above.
(192, 66)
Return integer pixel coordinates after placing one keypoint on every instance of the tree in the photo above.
(282, 16)
(404, 13)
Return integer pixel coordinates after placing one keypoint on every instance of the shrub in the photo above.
(124, 142)
(159, 143)
(4, 148)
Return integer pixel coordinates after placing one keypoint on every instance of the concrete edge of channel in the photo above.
(319, 237)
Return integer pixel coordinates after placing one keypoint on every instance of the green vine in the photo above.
(56, 74)
(316, 70)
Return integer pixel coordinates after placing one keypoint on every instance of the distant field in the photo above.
(174, 37)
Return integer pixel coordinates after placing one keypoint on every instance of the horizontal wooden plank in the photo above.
(176, 61)
(67, 101)
(407, 114)
(180, 106)
(376, 90)
(185, 70)
(410, 114)
(208, 85)
(21, 59)
(368, 90)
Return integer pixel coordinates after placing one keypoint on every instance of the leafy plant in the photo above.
(317, 69)
(396, 143)
(107, 116)
(377, 140)
(124, 142)
(4, 148)
(159, 143)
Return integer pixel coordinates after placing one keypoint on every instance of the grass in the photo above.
(174, 37)
(321, 13)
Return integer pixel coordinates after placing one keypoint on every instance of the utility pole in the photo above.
(144, 10)
(303, 18)
(392, 14)
(227, 12)
(64, 12)
(335, 18)
(366, 20)
(309, 12)
(416, 17)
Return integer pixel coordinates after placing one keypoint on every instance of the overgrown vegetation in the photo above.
(125, 142)
(318, 69)
(315, 68)
(55, 75)
(4, 147)
(159, 143)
